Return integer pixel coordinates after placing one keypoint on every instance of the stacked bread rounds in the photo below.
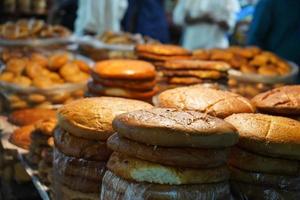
(81, 153)
(207, 100)
(123, 78)
(267, 157)
(165, 153)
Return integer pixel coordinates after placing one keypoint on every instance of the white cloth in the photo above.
(206, 35)
(99, 16)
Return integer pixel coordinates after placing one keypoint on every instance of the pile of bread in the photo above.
(35, 135)
(40, 73)
(132, 79)
(177, 67)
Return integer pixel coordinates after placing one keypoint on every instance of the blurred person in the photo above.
(147, 17)
(98, 16)
(206, 23)
(276, 27)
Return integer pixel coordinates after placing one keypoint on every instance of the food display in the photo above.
(253, 70)
(21, 137)
(207, 100)
(42, 79)
(267, 157)
(157, 167)
(80, 144)
(31, 29)
(124, 78)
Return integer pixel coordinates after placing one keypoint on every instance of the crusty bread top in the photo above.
(162, 49)
(125, 69)
(173, 120)
(211, 101)
(266, 128)
(194, 64)
(96, 114)
(282, 100)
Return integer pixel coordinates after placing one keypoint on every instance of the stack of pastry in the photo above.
(162, 153)
(265, 165)
(124, 78)
(211, 101)
(81, 153)
(188, 72)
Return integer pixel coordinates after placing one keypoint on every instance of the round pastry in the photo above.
(211, 101)
(283, 100)
(117, 188)
(21, 137)
(248, 161)
(187, 129)
(125, 69)
(79, 167)
(144, 171)
(80, 147)
(30, 116)
(91, 118)
(162, 49)
(180, 157)
(155, 57)
(268, 135)
(194, 65)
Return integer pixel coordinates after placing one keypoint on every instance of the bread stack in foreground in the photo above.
(81, 153)
(164, 153)
(265, 165)
(124, 78)
(207, 100)
(280, 101)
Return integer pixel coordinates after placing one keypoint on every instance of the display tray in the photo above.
(36, 42)
(257, 78)
(6, 129)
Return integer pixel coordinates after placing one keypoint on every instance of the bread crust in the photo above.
(186, 128)
(91, 118)
(144, 171)
(268, 135)
(161, 49)
(211, 101)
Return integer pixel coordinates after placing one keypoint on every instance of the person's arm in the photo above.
(179, 13)
(261, 23)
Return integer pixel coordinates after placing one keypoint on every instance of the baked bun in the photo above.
(250, 191)
(291, 183)
(21, 137)
(193, 65)
(98, 89)
(117, 188)
(156, 57)
(248, 161)
(91, 118)
(283, 100)
(70, 166)
(125, 69)
(180, 157)
(211, 101)
(162, 49)
(144, 171)
(268, 135)
(187, 129)
(30, 116)
(80, 147)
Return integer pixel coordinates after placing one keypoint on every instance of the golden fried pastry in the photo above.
(7, 76)
(83, 66)
(44, 105)
(259, 60)
(78, 78)
(42, 82)
(78, 93)
(59, 97)
(36, 98)
(268, 70)
(22, 81)
(201, 54)
(184, 80)
(33, 69)
(248, 69)
(55, 78)
(56, 61)
(237, 61)
(21, 137)
(69, 69)
(218, 54)
(40, 59)
(16, 65)
(21, 104)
